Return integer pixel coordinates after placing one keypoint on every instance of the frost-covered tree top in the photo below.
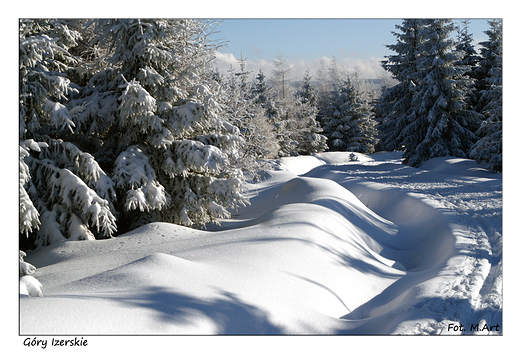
(470, 56)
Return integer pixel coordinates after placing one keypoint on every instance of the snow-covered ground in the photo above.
(328, 246)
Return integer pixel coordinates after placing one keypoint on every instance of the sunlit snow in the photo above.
(327, 246)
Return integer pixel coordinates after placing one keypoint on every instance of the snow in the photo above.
(328, 246)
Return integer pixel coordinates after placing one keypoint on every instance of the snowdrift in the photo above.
(324, 248)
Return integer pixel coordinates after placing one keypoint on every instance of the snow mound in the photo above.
(339, 249)
(29, 286)
(458, 166)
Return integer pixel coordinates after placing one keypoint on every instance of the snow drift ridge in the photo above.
(322, 253)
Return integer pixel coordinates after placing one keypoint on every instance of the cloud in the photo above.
(226, 60)
(366, 68)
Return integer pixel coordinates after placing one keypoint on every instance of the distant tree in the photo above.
(243, 109)
(311, 138)
(294, 119)
(281, 77)
(489, 147)
(323, 89)
(348, 120)
(260, 89)
(307, 92)
(243, 74)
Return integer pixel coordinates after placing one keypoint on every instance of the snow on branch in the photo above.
(137, 108)
(194, 156)
(84, 165)
(132, 170)
(68, 191)
(59, 115)
(29, 215)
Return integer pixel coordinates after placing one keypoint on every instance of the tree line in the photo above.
(127, 121)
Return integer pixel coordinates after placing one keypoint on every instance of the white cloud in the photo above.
(367, 68)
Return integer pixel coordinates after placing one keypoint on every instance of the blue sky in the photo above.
(357, 44)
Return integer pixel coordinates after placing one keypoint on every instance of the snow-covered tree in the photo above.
(394, 104)
(469, 60)
(438, 121)
(307, 92)
(170, 141)
(311, 138)
(490, 64)
(294, 119)
(348, 120)
(121, 127)
(260, 89)
(281, 78)
(323, 90)
(489, 147)
(307, 132)
(29, 216)
(64, 194)
(243, 108)
(44, 86)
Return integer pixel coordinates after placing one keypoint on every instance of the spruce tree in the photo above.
(121, 127)
(395, 102)
(172, 145)
(307, 92)
(295, 120)
(348, 120)
(64, 193)
(243, 109)
(310, 135)
(469, 60)
(439, 122)
(488, 149)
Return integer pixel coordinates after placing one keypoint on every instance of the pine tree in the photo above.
(348, 120)
(310, 140)
(260, 89)
(64, 193)
(323, 89)
(307, 92)
(438, 122)
(281, 78)
(490, 64)
(294, 120)
(121, 127)
(243, 109)
(488, 149)
(172, 145)
(307, 132)
(394, 104)
(469, 60)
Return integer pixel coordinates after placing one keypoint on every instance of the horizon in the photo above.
(359, 45)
